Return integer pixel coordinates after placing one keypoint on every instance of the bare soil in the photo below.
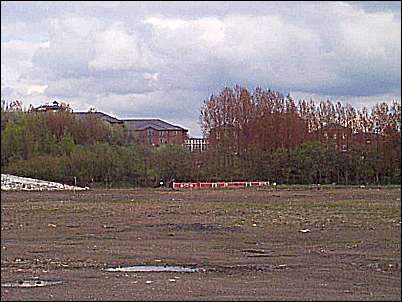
(249, 241)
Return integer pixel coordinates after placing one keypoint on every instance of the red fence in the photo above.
(178, 185)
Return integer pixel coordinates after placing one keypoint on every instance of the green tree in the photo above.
(172, 162)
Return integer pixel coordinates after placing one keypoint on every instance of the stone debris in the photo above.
(17, 183)
(30, 283)
(155, 268)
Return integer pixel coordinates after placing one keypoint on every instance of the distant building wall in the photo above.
(156, 137)
(196, 144)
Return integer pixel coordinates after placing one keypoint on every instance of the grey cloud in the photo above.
(121, 83)
(7, 92)
(177, 106)
(164, 58)
(377, 6)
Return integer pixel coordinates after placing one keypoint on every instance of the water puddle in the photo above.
(30, 283)
(155, 268)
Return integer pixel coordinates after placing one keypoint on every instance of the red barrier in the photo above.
(179, 185)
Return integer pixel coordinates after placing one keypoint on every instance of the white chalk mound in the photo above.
(17, 183)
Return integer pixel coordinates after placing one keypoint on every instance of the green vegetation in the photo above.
(261, 134)
(310, 213)
(257, 135)
(58, 146)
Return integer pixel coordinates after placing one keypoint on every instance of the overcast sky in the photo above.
(162, 59)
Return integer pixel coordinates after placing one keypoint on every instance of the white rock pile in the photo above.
(17, 183)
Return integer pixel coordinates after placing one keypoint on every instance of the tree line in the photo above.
(252, 135)
(262, 134)
(60, 146)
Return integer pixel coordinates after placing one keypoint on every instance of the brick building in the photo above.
(334, 134)
(153, 132)
(367, 138)
(342, 137)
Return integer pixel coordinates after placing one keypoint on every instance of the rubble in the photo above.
(16, 183)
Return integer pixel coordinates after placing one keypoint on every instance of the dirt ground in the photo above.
(253, 244)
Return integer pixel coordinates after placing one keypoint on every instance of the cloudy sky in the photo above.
(162, 59)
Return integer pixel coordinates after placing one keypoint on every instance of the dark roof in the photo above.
(55, 106)
(133, 124)
(157, 124)
(197, 138)
(100, 115)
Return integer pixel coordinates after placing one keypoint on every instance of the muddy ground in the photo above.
(254, 244)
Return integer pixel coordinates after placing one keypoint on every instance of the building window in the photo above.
(344, 148)
(335, 136)
(150, 132)
(325, 134)
(343, 135)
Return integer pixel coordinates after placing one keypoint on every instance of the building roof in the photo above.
(47, 107)
(197, 138)
(100, 115)
(157, 124)
(133, 124)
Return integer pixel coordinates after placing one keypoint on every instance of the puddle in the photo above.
(155, 268)
(30, 283)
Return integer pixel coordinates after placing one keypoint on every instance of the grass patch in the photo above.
(297, 212)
